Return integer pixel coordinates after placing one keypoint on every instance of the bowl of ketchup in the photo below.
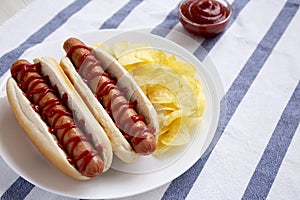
(206, 18)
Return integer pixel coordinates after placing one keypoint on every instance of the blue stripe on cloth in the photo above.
(180, 187)
(7, 59)
(269, 164)
(208, 44)
(170, 22)
(117, 18)
(18, 190)
(21, 187)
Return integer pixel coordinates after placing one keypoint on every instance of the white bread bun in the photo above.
(38, 131)
(121, 148)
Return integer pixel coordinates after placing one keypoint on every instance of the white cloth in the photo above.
(255, 152)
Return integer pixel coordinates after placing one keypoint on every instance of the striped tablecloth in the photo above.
(255, 152)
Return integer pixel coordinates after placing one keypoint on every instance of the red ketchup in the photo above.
(204, 17)
(47, 110)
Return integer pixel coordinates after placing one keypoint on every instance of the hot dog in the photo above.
(57, 120)
(114, 98)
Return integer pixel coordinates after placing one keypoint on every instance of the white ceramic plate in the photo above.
(122, 180)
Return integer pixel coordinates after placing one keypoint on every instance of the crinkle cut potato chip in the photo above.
(171, 86)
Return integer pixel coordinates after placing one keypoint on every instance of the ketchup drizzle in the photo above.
(47, 110)
(126, 126)
(73, 48)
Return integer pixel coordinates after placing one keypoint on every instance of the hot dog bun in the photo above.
(121, 147)
(38, 131)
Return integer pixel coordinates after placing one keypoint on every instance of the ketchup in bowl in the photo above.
(206, 18)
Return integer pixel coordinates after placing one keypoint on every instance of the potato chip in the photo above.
(176, 134)
(129, 59)
(124, 47)
(160, 94)
(175, 99)
(169, 118)
(182, 137)
(165, 107)
(171, 134)
(164, 130)
(161, 148)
